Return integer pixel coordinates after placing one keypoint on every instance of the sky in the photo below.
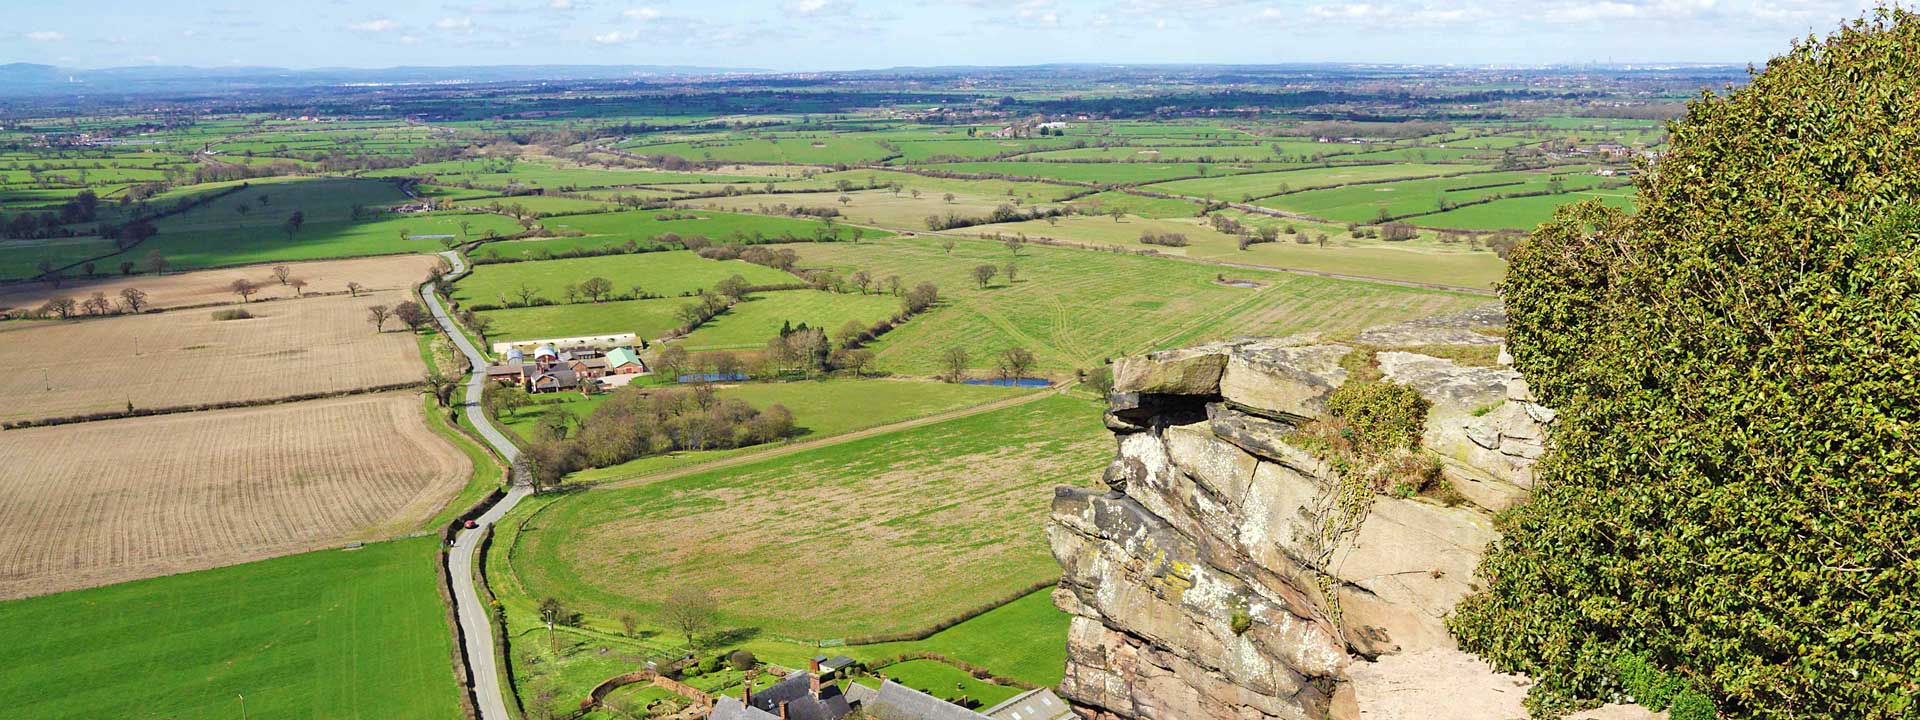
(801, 35)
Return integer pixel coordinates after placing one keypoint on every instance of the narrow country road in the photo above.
(474, 625)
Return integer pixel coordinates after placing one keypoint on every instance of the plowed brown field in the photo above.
(185, 357)
(200, 287)
(105, 502)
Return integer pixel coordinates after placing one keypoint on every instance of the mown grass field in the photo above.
(890, 532)
(331, 634)
(1074, 308)
(1364, 203)
(668, 274)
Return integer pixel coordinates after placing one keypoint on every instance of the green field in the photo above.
(648, 319)
(821, 408)
(751, 323)
(668, 274)
(884, 533)
(330, 634)
(1522, 213)
(1235, 187)
(218, 234)
(1074, 308)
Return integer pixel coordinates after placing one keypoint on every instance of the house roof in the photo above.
(796, 690)
(1037, 704)
(730, 708)
(834, 663)
(899, 702)
(545, 350)
(621, 357)
(512, 368)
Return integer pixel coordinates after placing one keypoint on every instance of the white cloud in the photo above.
(642, 14)
(815, 8)
(461, 24)
(46, 36)
(377, 25)
(561, 4)
(615, 37)
(409, 40)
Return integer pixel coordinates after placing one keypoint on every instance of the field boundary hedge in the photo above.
(931, 630)
(229, 405)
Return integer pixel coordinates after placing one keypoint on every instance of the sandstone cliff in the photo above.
(1229, 572)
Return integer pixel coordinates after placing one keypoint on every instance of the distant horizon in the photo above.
(788, 36)
(1639, 65)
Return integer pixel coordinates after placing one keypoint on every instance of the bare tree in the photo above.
(244, 288)
(442, 387)
(98, 304)
(61, 307)
(378, 314)
(412, 314)
(955, 360)
(946, 246)
(281, 272)
(156, 263)
(1010, 270)
(525, 294)
(299, 286)
(1014, 362)
(354, 288)
(133, 299)
(691, 610)
(948, 197)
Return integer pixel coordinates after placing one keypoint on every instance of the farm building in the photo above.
(803, 696)
(1036, 704)
(624, 361)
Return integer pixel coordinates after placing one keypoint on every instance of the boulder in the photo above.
(1283, 381)
(1188, 371)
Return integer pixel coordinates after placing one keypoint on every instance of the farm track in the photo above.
(476, 625)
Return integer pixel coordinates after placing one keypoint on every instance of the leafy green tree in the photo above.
(1731, 495)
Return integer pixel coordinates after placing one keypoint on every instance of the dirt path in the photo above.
(783, 450)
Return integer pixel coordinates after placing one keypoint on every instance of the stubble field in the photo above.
(117, 500)
(204, 287)
(185, 357)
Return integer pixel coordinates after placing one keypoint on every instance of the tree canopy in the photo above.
(1733, 496)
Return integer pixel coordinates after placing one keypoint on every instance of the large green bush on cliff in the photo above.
(1734, 491)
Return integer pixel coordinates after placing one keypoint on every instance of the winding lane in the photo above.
(488, 691)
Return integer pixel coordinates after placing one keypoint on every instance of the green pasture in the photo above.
(1235, 187)
(1522, 213)
(1075, 308)
(891, 532)
(329, 634)
(749, 324)
(648, 319)
(669, 273)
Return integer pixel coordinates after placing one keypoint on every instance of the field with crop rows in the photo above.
(186, 357)
(117, 500)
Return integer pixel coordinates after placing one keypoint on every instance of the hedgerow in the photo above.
(1733, 496)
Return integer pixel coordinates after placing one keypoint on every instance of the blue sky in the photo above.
(851, 34)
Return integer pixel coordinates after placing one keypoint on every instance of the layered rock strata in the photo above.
(1204, 581)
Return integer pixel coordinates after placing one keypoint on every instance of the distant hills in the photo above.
(37, 79)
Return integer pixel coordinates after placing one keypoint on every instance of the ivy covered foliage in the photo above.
(1734, 493)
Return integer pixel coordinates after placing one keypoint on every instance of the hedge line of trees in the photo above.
(634, 423)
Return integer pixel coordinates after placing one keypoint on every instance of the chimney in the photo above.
(814, 680)
(746, 693)
(783, 710)
(814, 665)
